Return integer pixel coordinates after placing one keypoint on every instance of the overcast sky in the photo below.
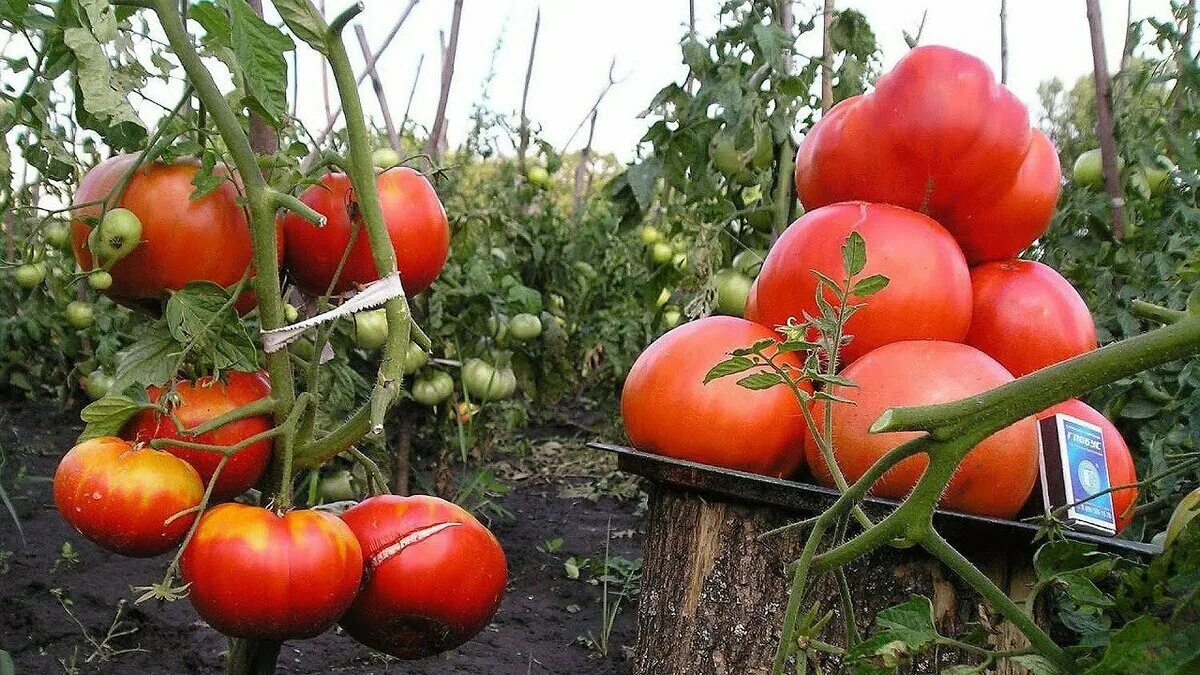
(579, 38)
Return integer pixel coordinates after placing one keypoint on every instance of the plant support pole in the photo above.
(1104, 121)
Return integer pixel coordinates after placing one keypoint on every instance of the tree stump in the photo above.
(713, 595)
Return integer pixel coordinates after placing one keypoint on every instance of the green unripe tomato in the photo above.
(415, 358)
(385, 158)
(671, 317)
(748, 262)
(97, 385)
(30, 275)
(662, 252)
(733, 288)
(761, 219)
(764, 147)
(680, 261)
(525, 327)
(663, 297)
(433, 389)
(338, 486)
(485, 382)
(725, 156)
(290, 313)
(57, 235)
(80, 315)
(119, 232)
(100, 280)
(538, 176)
(370, 329)
(650, 235)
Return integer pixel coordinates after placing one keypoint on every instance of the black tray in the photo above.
(806, 498)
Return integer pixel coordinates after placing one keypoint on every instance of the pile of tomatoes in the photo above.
(410, 576)
(940, 172)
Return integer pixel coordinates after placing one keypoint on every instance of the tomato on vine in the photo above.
(433, 389)
(80, 315)
(100, 280)
(525, 327)
(30, 275)
(485, 382)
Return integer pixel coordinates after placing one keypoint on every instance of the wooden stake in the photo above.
(1104, 121)
(1003, 41)
(324, 73)
(433, 145)
(412, 92)
(826, 58)
(582, 169)
(384, 110)
(523, 141)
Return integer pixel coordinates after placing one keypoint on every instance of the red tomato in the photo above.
(121, 497)
(669, 410)
(939, 135)
(1121, 470)
(256, 574)
(183, 240)
(434, 575)
(195, 403)
(1027, 316)
(994, 479)
(928, 296)
(415, 221)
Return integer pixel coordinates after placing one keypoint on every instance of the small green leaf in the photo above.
(904, 629)
(854, 254)
(7, 667)
(1083, 591)
(152, 360)
(1193, 301)
(825, 279)
(796, 346)
(200, 316)
(1038, 665)
(107, 416)
(260, 47)
(870, 285)
(730, 366)
(760, 381)
(756, 348)
(302, 19)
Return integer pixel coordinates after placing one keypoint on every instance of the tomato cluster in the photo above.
(940, 173)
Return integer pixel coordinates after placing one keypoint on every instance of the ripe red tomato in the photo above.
(669, 410)
(939, 135)
(195, 403)
(928, 296)
(995, 478)
(1121, 470)
(1027, 316)
(183, 240)
(121, 496)
(257, 574)
(434, 575)
(415, 220)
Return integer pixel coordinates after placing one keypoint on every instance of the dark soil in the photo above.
(537, 629)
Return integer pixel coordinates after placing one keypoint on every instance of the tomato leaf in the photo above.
(260, 47)
(107, 416)
(901, 630)
(152, 360)
(760, 381)
(755, 348)
(796, 346)
(730, 366)
(1038, 665)
(201, 318)
(870, 285)
(854, 254)
(303, 20)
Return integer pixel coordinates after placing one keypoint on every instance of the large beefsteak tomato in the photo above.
(938, 134)
(198, 402)
(928, 296)
(415, 220)
(669, 410)
(183, 239)
(434, 575)
(994, 479)
(257, 574)
(1121, 470)
(1027, 316)
(122, 497)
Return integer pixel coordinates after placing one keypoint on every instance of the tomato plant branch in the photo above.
(262, 406)
(284, 200)
(1033, 393)
(162, 443)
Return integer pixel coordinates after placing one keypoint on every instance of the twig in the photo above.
(603, 92)
(412, 92)
(1104, 121)
(433, 143)
(377, 85)
(523, 143)
(581, 170)
(1004, 41)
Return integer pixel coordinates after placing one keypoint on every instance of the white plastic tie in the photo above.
(371, 296)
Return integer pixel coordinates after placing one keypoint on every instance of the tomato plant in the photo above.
(929, 297)
(194, 403)
(1027, 316)
(415, 221)
(668, 408)
(133, 501)
(414, 548)
(257, 574)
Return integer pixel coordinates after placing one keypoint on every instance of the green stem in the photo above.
(791, 616)
(345, 435)
(950, 557)
(253, 657)
(1033, 393)
(161, 443)
(262, 406)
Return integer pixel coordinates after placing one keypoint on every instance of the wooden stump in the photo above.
(713, 596)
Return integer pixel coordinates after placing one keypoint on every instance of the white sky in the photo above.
(579, 38)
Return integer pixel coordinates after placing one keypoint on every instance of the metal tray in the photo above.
(813, 499)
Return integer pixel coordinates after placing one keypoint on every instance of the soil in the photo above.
(540, 627)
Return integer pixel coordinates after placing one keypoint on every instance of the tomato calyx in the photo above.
(418, 535)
